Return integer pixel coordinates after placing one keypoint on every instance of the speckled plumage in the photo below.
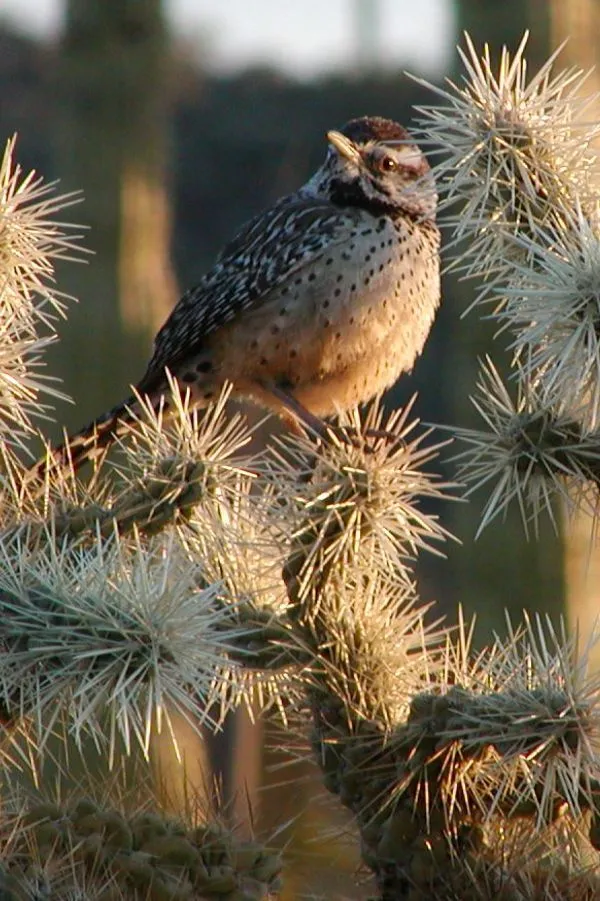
(327, 297)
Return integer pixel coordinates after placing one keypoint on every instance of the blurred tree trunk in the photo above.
(503, 24)
(112, 141)
(579, 22)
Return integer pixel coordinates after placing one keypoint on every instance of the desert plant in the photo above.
(190, 575)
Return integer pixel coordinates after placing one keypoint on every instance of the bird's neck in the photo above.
(351, 194)
(344, 193)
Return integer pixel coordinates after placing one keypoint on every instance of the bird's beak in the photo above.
(344, 147)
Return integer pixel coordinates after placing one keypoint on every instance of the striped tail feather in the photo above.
(87, 444)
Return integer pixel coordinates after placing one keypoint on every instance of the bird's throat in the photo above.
(346, 193)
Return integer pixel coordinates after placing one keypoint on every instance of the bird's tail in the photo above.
(87, 444)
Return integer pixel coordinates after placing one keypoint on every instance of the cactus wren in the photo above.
(317, 304)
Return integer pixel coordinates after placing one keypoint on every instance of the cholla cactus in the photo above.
(85, 845)
(29, 304)
(518, 176)
(189, 575)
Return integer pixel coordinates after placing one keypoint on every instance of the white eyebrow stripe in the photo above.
(408, 151)
(407, 147)
(411, 157)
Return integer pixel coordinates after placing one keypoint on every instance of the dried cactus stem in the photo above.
(392, 788)
(421, 794)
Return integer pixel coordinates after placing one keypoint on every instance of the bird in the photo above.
(316, 305)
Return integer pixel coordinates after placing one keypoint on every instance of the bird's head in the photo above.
(372, 163)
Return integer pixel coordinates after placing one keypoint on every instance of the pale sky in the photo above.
(304, 37)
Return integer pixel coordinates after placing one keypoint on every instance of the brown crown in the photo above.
(374, 128)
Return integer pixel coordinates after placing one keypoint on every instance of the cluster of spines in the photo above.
(454, 795)
(517, 182)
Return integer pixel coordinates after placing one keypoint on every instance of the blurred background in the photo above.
(181, 119)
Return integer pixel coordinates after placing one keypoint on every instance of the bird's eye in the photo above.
(387, 164)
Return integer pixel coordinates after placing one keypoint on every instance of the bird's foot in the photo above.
(370, 439)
